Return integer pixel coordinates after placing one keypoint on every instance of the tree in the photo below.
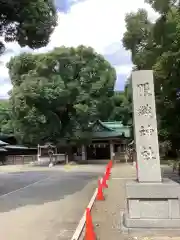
(121, 108)
(156, 46)
(56, 95)
(5, 118)
(27, 22)
(138, 39)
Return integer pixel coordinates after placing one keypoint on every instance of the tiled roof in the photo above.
(3, 149)
(15, 147)
(3, 143)
(110, 130)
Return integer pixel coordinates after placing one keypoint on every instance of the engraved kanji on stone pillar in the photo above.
(145, 126)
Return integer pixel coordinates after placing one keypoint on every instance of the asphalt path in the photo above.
(58, 199)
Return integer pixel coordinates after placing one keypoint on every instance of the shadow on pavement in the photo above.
(167, 172)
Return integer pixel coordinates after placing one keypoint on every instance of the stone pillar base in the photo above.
(152, 205)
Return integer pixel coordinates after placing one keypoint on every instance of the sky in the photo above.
(96, 23)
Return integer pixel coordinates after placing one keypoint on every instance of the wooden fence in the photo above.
(20, 159)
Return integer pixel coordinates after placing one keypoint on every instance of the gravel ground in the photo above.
(106, 214)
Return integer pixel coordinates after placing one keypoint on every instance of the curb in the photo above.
(79, 230)
(82, 222)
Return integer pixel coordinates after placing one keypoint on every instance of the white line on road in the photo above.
(83, 219)
(29, 185)
(123, 178)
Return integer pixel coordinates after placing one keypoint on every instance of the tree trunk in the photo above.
(179, 169)
(70, 154)
(50, 158)
(174, 167)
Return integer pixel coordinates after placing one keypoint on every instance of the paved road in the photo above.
(45, 205)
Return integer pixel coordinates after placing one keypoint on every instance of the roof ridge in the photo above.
(102, 123)
(112, 121)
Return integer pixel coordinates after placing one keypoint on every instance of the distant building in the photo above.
(15, 154)
(109, 140)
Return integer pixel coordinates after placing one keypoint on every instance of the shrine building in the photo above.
(109, 141)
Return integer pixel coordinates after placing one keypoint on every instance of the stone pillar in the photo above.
(112, 151)
(83, 149)
(66, 158)
(151, 202)
(145, 127)
(38, 153)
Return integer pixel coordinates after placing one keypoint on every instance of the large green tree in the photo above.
(155, 45)
(5, 117)
(30, 23)
(56, 95)
(121, 108)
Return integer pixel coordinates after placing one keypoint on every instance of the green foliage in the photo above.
(138, 39)
(5, 117)
(162, 6)
(55, 95)
(156, 46)
(121, 108)
(27, 22)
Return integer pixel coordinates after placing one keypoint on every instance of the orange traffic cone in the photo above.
(108, 173)
(110, 163)
(104, 179)
(100, 196)
(90, 234)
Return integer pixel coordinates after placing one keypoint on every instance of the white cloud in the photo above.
(95, 23)
(4, 90)
(124, 69)
(3, 72)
